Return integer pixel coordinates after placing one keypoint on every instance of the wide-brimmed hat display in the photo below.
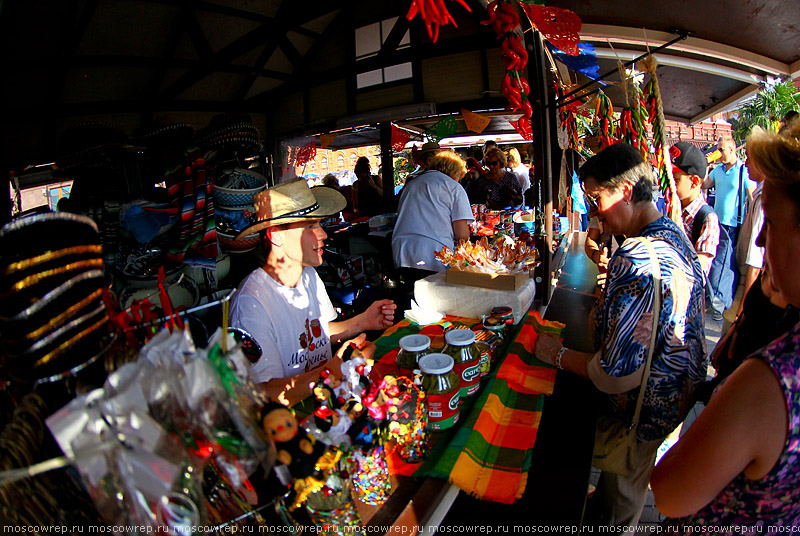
(293, 201)
(52, 315)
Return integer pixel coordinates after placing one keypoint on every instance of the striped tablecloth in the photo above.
(489, 454)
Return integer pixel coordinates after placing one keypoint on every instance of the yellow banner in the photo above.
(326, 139)
(475, 122)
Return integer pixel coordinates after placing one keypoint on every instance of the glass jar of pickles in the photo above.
(504, 312)
(412, 347)
(497, 326)
(460, 345)
(441, 387)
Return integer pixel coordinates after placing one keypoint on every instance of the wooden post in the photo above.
(387, 165)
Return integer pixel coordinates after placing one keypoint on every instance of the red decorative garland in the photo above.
(399, 138)
(306, 153)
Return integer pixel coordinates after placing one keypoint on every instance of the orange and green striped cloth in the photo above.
(489, 454)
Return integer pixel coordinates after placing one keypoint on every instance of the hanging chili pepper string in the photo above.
(666, 181)
(504, 20)
(434, 14)
(604, 118)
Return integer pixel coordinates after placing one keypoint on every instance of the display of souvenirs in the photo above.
(480, 256)
(309, 462)
(332, 509)
(370, 475)
(161, 420)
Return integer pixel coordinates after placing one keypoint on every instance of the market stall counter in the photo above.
(490, 448)
(532, 459)
(561, 463)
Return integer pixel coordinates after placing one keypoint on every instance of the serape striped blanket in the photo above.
(489, 454)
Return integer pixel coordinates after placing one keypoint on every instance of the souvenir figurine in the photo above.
(355, 369)
(340, 389)
(324, 395)
(309, 461)
(332, 426)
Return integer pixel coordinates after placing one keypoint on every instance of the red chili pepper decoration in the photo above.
(434, 14)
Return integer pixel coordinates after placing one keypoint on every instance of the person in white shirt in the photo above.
(283, 304)
(519, 169)
(434, 212)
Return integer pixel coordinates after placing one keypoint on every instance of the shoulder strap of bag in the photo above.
(655, 267)
(742, 196)
(699, 221)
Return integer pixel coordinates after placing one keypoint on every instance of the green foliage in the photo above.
(766, 109)
(402, 167)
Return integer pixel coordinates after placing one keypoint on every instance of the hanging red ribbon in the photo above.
(174, 319)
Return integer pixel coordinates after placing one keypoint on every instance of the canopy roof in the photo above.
(292, 65)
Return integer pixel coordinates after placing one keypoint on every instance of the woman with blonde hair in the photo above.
(504, 189)
(737, 465)
(519, 169)
(449, 163)
(434, 212)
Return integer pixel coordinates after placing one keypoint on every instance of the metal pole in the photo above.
(682, 35)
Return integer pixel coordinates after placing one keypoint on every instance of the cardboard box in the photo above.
(490, 281)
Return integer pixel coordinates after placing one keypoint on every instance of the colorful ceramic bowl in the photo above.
(229, 243)
(236, 189)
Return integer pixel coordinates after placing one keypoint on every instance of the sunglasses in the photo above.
(591, 201)
(492, 163)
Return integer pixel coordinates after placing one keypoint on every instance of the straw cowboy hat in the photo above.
(293, 201)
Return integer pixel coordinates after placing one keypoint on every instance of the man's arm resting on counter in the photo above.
(293, 390)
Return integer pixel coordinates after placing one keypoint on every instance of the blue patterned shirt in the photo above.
(624, 322)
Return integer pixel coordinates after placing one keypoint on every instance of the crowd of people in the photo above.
(738, 462)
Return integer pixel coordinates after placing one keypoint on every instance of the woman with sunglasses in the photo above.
(618, 187)
(504, 189)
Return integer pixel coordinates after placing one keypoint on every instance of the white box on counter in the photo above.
(435, 293)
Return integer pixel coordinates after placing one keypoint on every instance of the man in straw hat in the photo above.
(284, 305)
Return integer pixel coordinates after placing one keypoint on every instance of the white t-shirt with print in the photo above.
(290, 324)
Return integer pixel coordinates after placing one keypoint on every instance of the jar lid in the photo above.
(501, 310)
(494, 323)
(459, 337)
(415, 343)
(436, 363)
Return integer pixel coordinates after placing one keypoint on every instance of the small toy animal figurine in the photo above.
(309, 462)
